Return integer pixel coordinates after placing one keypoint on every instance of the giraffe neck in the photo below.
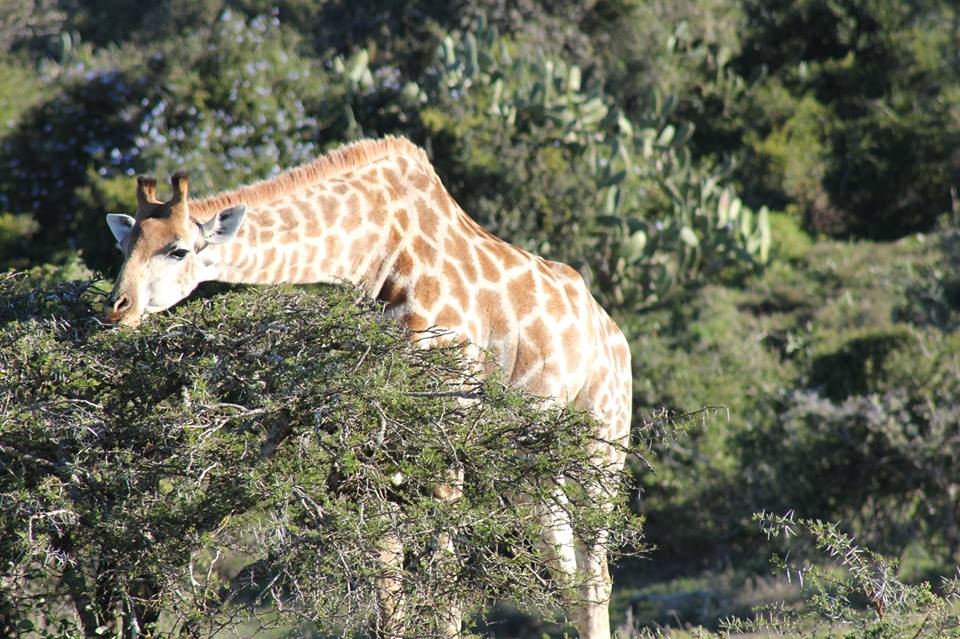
(343, 230)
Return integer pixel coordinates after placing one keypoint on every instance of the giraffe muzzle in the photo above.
(117, 310)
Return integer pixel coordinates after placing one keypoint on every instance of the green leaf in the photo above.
(763, 224)
(689, 237)
(624, 125)
(634, 245)
(666, 135)
(612, 202)
(573, 78)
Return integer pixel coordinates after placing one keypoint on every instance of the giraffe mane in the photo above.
(330, 165)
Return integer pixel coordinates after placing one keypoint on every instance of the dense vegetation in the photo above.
(258, 449)
(762, 193)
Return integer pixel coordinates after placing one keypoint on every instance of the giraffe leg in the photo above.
(573, 562)
(558, 538)
(593, 615)
(388, 623)
(451, 619)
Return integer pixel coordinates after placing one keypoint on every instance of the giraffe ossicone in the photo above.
(375, 213)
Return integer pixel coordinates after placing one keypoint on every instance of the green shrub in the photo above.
(243, 458)
(849, 589)
(866, 145)
(857, 368)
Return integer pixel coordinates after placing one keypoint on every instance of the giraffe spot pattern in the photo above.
(424, 252)
(491, 272)
(393, 223)
(449, 317)
(427, 218)
(521, 292)
(427, 291)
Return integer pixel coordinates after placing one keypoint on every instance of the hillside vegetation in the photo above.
(763, 194)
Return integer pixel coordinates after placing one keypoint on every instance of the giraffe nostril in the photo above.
(121, 304)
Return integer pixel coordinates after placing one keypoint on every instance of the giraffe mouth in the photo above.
(131, 320)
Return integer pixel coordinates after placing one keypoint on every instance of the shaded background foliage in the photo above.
(762, 193)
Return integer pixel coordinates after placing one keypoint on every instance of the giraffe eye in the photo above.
(178, 253)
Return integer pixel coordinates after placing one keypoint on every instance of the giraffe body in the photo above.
(375, 213)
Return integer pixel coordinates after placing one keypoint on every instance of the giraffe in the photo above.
(376, 214)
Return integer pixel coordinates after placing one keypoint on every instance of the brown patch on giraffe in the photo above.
(295, 265)
(522, 294)
(305, 211)
(290, 237)
(490, 309)
(456, 246)
(363, 188)
(395, 183)
(265, 236)
(441, 199)
(392, 293)
(427, 218)
(473, 328)
(311, 255)
(572, 293)
(394, 237)
(403, 265)
(572, 346)
(288, 218)
(420, 179)
(556, 306)
(312, 228)
(332, 245)
(378, 214)
(490, 270)
(414, 321)
(468, 261)
(269, 255)
(511, 256)
(359, 247)
(427, 291)
(340, 187)
(449, 318)
(402, 164)
(403, 218)
(458, 289)
(350, 219)
(329, 209)
(528, 355)
(544, 269)
(424, 251)
(537, 333)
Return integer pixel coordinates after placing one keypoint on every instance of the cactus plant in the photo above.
(659, 220)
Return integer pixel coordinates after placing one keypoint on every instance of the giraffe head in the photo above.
(163, 250)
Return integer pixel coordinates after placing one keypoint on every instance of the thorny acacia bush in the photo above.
(245, 456)
(857, 595)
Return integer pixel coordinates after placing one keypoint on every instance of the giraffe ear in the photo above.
(120, 226)
(223, 226)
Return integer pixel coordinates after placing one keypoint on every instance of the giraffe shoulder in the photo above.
(564, 272)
